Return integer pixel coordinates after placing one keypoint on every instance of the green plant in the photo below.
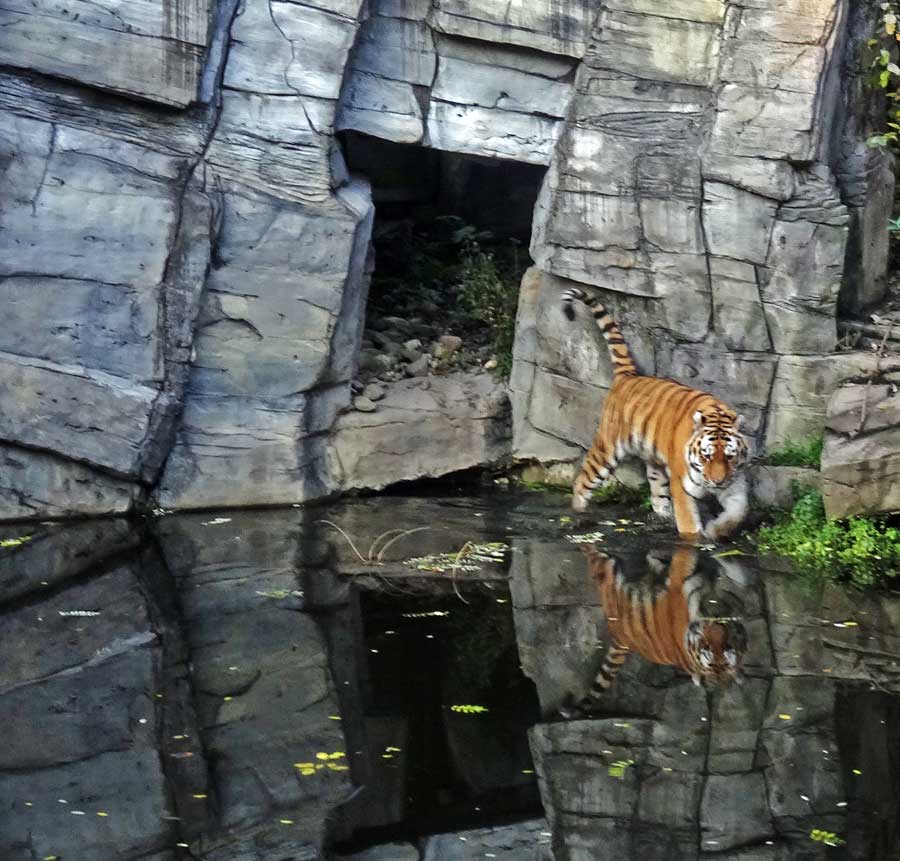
(489, 291)
(861, 549)
(885, 72)
(621, 494)
(807, 452)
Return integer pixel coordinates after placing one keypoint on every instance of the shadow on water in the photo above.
(506, 681)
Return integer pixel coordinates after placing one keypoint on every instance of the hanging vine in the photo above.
(885, 72)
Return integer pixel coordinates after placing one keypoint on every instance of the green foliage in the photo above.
(489, 291)
(620, 494)
(806, 452)
(885, 72)
(863, 550)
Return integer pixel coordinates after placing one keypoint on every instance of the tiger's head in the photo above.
(716, 648)
(717, 449)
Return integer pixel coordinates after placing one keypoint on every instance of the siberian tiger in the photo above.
(689, 440)
(661, 622)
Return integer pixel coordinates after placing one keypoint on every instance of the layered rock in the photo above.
(697, 186)
(185, 256)
(861, 457)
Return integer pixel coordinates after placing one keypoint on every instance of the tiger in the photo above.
(689, 440)
(664, 624)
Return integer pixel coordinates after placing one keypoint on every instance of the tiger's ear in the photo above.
(738, 422)
(698, 420)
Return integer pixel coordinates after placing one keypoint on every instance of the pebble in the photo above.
(490, 364)
(364, 405)
(445, 346)
(372, 361)
(357, 386)
(412, 344)
(419, 368)
(373, 392)
(397, 323)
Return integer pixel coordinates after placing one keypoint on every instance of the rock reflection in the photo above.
(243, 687)
(774, 768)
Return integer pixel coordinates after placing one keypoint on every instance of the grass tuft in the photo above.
(806, 452)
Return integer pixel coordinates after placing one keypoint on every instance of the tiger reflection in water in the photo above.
(660, 616)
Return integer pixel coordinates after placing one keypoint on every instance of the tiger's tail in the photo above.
(612, 663)
(623, 363)
(601, 566)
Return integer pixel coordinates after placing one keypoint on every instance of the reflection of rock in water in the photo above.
(184, 684)
(760, 771)
(668, 615)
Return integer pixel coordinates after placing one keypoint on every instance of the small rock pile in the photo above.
(395, 348)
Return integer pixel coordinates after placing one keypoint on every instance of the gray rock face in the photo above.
(184, 257)
(422, 427)
(861, 457)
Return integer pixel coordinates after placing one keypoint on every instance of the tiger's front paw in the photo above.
(663, 508)
(579, 503)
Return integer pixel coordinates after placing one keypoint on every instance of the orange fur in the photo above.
(689, 440)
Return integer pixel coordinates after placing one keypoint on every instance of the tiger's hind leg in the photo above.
(660, 497)
(599, 465)
(612, 663)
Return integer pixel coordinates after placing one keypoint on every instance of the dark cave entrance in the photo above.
(450, 244)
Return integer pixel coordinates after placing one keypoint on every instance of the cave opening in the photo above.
(450, 244)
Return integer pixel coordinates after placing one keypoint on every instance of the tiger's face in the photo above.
(717, 650)
(717, 449)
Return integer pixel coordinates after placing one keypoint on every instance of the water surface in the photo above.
(258, 685)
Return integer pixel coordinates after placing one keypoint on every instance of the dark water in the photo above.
(256, 685)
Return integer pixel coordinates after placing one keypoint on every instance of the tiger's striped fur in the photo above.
(664, 624)
(689, 440)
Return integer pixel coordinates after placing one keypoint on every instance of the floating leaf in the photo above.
(725, 553)
(468, 710)
(15, 542)
(586, 538)
(784, 717)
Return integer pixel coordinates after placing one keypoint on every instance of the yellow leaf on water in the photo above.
(101, 813)
(304, 764)
(857, 771)
(321, 755)
(334, 717)
(286, 821)
(784, 717)
(198, 795)
(228, 699)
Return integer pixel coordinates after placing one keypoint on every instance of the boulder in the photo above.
(423, 427)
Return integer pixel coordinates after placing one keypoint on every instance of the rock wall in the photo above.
(183, 254)
(712, 184)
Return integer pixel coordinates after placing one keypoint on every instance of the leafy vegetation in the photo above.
(456, 279)
(489, 291)
(806, 452)
(885, 72)
(621, 494)
(863, 550)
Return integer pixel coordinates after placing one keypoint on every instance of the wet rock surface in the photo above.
(258, 685)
